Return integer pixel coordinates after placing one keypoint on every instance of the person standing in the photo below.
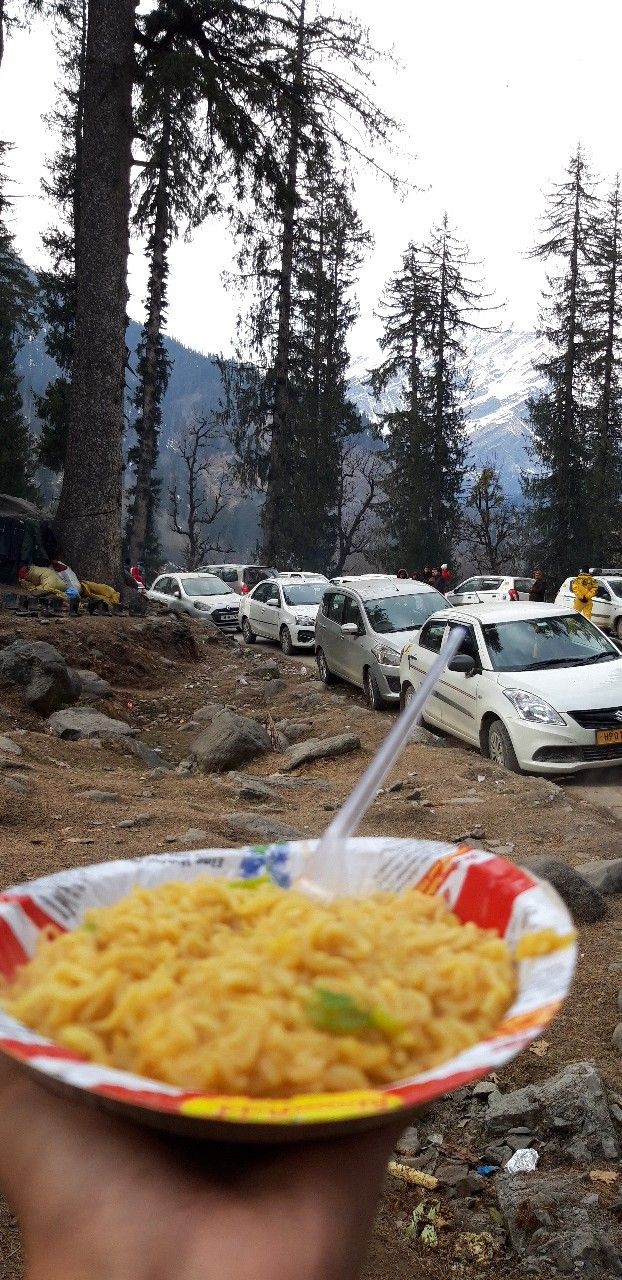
(537, 590)
(435, 580)
(584, 588)
(446, 578)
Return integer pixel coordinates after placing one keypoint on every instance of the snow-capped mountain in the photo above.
(502, 376)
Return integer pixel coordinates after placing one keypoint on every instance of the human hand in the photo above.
(99, 1199)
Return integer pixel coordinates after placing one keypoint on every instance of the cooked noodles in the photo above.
(262, 991)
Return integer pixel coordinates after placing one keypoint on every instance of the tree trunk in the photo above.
(604, 434)
(148, 429)
(278, 478)
(1, 30)
(88, 520)
(439, 404)
(79, 127)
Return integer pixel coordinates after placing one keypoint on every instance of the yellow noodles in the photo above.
(264, 992)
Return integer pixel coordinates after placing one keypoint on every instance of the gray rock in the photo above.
(298, 784)
(81, 722)
(151, 758)
(229, 741)
(294, 730)
(450, 1173)
(260, 828)
(190, 726)
(158, 772)
(572, 1102)
(92, 685)
(267, 670)
(41, 673)
(498, 1155)
(408, 1144)
(605, 876)
(208, 711)
(194, 835)
(9, 747)
(321, 749)
(256, 793)
(616, 1038)
(139, 820)
(272, 689)
(549, 1223)
(583, 900)
(484, 1088)
(98, 797)
(18, 785)
(424, 736)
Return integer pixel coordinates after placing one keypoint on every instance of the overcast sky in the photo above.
(494, 98)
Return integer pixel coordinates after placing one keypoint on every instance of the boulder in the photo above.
(605, 876)
(267, 670)
(81, 722)
(321, 749)
(294, 730)
(92, 685)
(616, 1038)
(42, 674)
(256, 793)
(149, 757)
(583, 900)
(9, 746)
(272, 688)
(194, 835)
(230, 740)
(424, 736)
(208, 711)
(551, 1221)
(570, 1109)
(98, 797)
(261, 829)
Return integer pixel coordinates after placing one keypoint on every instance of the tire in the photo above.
(499, 746)
(285, 641)
(617, 628)
(324, 671)
(249, 636)
(407, 692)
(375, 700)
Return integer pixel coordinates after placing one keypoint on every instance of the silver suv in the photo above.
(360, 632)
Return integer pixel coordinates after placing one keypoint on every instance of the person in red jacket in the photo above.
(446, 577)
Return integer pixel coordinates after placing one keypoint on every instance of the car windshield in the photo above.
(616, 586)
(537, 643)
(303, 593)
(205, 586)
(403, 612)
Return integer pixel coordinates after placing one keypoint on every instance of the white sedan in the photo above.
(202, 595)
(283, 610)
(533, 686)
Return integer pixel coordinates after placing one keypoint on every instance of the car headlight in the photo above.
(201, 604)
(533, 708)
(387, 656)
(303, 622)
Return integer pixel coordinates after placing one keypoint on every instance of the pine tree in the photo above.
(88, 519)
(62, 188)
(17, 320)
(604, 330)
(428, 307)
(559, 492)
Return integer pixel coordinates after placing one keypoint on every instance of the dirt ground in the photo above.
(158, 684)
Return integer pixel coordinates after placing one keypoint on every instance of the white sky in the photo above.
(494, 97)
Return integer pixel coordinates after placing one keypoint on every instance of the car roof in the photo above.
(504, 611)
(296, 575)
(379, 589)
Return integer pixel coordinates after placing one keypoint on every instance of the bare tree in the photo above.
(358, 496)
(492, 526)
(205, 492)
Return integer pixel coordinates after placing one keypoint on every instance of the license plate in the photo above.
(606, 737)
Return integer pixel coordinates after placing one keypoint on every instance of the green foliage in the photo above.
(492, 526)
(17, 321)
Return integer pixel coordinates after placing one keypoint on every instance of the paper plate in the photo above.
(476, 885)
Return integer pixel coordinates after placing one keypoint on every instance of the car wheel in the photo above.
(407, 694)
(286, 641)
(249, 635)
(375, 700)
(500, 747)
(617, 626)
(325, 674)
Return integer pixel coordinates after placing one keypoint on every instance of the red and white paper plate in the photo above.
(476, 885)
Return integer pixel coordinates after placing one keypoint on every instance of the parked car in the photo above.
(361, 629)
(300, 575)
(240, 577)
(282, 610)
(487, 587)
(203, 595)
(535, 687)
(363, 577)
(606, 604)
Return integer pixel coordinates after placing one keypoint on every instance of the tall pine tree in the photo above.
(17, 320)
(604, 332)
(559, 492)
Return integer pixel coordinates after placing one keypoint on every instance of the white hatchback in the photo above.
(202, 595)
(534, 686)
(487, 587)
(606, 604)
(283, 610)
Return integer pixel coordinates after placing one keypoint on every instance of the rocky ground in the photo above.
(174, 771)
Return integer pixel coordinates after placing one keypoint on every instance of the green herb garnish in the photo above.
(334, 1011)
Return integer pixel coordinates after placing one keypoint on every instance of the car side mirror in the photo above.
(273, 602)
(463, 662)
(349, 629)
